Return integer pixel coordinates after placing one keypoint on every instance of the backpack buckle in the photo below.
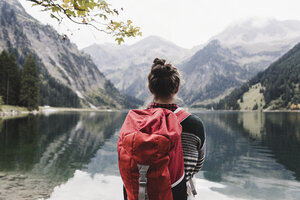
(143, 169)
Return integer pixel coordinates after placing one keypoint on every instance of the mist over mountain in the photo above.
(58, 59)
(259, 42)
(254, 31)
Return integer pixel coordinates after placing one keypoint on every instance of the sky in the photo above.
(187, 23)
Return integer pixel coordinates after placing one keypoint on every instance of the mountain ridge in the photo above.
(128, 66)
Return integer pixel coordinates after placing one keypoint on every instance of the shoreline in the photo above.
(265, 110)
(8, 112)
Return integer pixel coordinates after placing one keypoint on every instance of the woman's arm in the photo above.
(193, 145)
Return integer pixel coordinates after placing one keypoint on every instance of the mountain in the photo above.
(107, 56)
(210, 73)
(128, 66)
(227, 61)
(250, 46)
(60, 63)
(277, 87)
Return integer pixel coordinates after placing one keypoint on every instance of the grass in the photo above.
(9, 108)
(252, 97)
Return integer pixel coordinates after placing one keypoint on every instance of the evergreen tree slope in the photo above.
(280, 84)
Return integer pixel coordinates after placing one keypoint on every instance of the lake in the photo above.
(250, 155)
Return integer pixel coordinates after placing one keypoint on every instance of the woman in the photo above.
(163, 82)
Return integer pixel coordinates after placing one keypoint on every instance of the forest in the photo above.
(26, 86)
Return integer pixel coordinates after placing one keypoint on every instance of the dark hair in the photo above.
(163, 79)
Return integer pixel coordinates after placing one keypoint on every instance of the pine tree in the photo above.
(4, 62)
(13, 82)
(255, 107)
(9, 79)
(30, 91)
(1, 74)
(1, 103)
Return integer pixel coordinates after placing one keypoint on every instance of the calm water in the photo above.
(73, 156)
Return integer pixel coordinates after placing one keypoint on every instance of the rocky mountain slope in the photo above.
(58, 58)
(277, 87)
(210, 73)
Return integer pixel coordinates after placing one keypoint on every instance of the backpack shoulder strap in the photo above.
(181, 114)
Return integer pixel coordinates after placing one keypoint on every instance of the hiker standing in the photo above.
(161, 148)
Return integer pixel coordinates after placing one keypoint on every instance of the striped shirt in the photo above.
(193, 145)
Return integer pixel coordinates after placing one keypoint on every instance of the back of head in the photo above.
(163, 79)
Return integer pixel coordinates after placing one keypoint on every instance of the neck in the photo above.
(165, 101)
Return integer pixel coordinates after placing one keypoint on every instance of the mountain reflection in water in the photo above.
(250, 155)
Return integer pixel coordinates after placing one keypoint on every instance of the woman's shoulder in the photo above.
(194, 121)
(194, 125)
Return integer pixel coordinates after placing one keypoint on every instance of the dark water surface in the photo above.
(73, 156)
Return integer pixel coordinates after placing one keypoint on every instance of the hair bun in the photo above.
(158, 61)
(161, 70)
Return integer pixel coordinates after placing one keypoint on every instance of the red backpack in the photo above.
(150, 153)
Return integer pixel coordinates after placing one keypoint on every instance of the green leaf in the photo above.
(53, 16)
(119, 40)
